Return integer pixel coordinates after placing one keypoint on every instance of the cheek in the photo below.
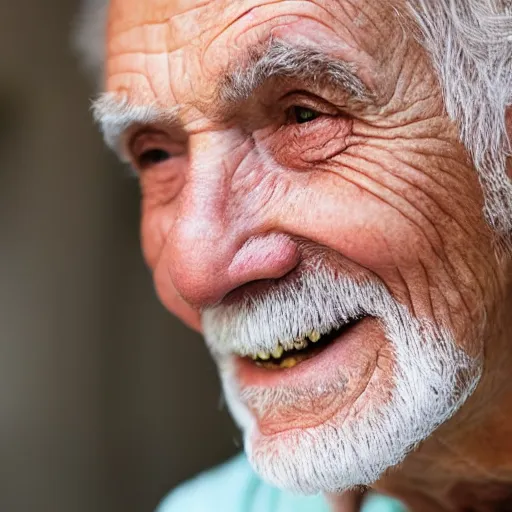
(415, 237)
(360, 200)
(333, 210)
(172, 301)
(154, 229)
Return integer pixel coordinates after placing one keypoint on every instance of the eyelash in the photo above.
(294, 114)
(152, 156)
(307, 100)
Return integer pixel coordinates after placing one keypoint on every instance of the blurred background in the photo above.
(106, 401)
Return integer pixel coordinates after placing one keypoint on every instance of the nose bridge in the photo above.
(217, 243)
(206, 197)
(207, 189)
(205, 236)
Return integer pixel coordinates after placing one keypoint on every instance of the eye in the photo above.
(152, 157)
(303, 115)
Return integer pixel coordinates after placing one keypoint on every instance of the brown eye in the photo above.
(303, 115)
(153, 157)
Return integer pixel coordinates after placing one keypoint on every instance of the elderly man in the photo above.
(326, 196)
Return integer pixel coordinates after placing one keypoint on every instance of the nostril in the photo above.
(205, 269)
(269, 256)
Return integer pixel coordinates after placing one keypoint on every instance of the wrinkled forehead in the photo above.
(163, 48)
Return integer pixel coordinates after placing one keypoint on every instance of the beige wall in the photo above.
(105, 400)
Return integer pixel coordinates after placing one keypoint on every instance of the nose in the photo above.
(219, 241)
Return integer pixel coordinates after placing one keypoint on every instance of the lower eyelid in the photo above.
(318, 133)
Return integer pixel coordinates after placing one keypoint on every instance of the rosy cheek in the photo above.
(156, 223)
(172, 301)
(160, 187)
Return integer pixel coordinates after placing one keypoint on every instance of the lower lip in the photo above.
(340, 352)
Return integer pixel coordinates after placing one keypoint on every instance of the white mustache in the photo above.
(316, 299)
(432, 378)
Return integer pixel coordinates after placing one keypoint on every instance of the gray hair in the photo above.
(470, 42)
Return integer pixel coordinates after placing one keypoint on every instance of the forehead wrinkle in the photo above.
(277, 59)
(116, 115)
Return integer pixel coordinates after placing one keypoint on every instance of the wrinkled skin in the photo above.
(387, 186)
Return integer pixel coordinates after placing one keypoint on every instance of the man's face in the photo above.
(307, 206)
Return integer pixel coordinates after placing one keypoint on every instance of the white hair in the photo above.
(431, 379)
(115, 115)
(470, 42)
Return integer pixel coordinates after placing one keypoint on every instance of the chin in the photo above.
(353, 407)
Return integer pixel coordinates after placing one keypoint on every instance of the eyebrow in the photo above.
(116, 116)
(277, 59)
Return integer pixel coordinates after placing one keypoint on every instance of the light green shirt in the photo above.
(234, 487)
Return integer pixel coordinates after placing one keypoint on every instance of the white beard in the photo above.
(432, 379)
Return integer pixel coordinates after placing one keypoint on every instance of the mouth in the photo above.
(286, 355)
(310, 385)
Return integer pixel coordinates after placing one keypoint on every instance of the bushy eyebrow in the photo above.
(116, 116)
(277, 59)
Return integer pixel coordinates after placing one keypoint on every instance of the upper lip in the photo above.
(300, 342)
(279, 314)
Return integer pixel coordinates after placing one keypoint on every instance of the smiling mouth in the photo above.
(288, 355)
